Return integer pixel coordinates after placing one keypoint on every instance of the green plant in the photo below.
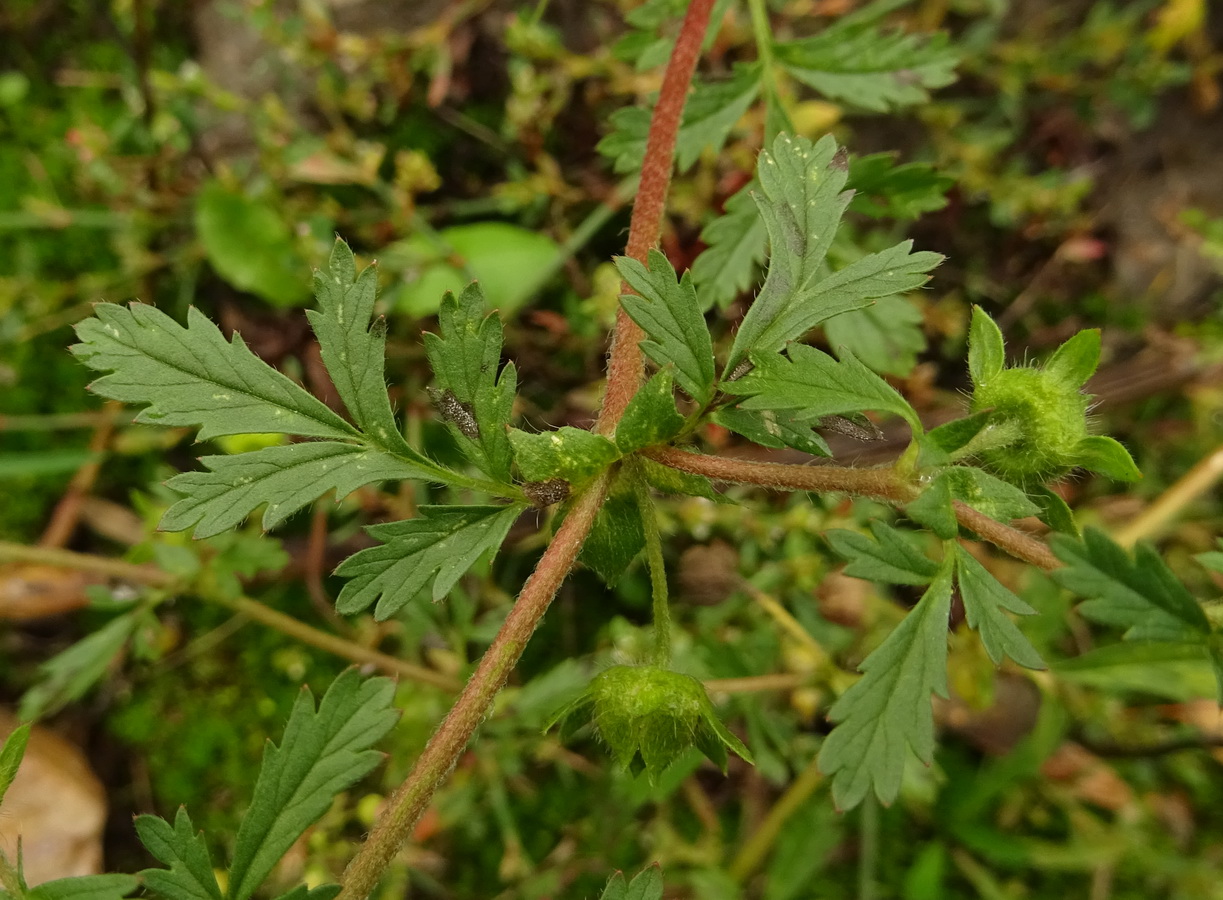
(768, 387)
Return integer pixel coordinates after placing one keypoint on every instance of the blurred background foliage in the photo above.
(207, 153)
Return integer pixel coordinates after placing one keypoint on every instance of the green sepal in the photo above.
(1076, 360)
(938, 445)
(892, 556)
(933, 509)
(988, 494)
(573, 454)
(986, 349)
(1105, 455)
(1054, 511)
(651, 417)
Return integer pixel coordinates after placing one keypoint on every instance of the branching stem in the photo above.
(882, 483)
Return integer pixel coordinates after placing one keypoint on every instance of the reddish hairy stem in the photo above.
(880, 483)
(625, 367)
(411, 798)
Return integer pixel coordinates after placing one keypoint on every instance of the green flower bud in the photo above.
(648, 717)
(1037, 426)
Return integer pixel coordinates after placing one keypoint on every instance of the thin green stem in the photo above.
(252, 609)
(868, 847)
(753, 853)
(658, 569)
(412, 797)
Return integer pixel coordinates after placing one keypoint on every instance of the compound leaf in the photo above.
(814, 384)
(986, 603)
(436, 547)
(669, 313)
(66, 676)
(801, 204)
(892, 556)
(710, 112)
(476, 400)
(190, 874)
(884, 189)
(889, 707)
(353, 350)
(192, 376)
(323, 752)
(870, 68)
(286, 478)
(886, 336)
(735, 246)
(1139, 594)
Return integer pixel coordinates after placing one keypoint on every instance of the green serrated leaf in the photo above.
(10, 756)
(1076, 360)
(892, 556)
(988, 494)
(66, 676)
(710, 112)
(193, 377)
(615, 539)
(1178, 671)
(735, 246)
(1054, 511)
(85, 887)
(772, 428)
(669, 313)
(465, 356)
(285, 478)
(353, 347)
(886, 336)
(322, 753)
(934, 510)
(801, 204)
(986, 603)
(1107, 456)
(813, 383)
(573, 454)
(883, 189)
(986, 349)
(646, 885)
(889, 707)
(190, 874)
(435, 548)
(1140, 595)
(870, 68)
(673, 481)
(651, 417)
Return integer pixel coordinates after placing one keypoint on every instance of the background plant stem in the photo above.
(658, 569)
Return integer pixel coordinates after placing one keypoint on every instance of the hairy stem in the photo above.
(412, 797)
(625, 367)
(883, 483)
